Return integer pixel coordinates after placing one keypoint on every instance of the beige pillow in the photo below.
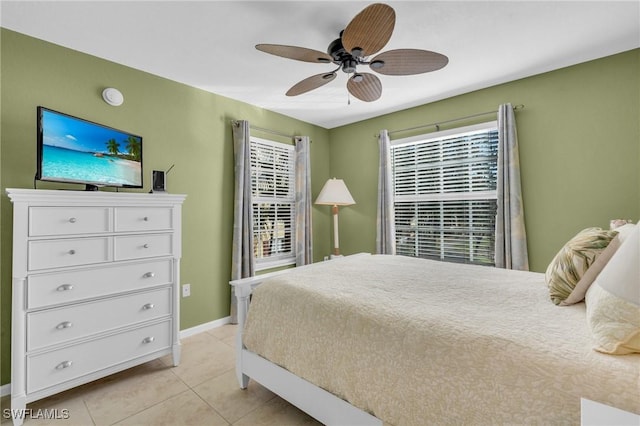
(613, 301)
(577, 294)
(574, 259)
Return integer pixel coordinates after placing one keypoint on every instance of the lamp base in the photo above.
(333, 256)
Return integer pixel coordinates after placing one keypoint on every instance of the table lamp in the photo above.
(335, 193)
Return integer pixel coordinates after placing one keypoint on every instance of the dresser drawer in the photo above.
(50, 368)
(82, 320)
(45, 221)
(64, 287)
(135, 219)
(45, 254)
(144, 245)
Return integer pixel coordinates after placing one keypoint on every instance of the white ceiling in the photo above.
(210, 44)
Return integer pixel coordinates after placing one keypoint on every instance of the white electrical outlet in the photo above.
(186, 290)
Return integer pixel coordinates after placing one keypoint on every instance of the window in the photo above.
(273, 193)
(445, 194)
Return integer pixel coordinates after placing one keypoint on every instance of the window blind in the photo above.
(273, 197)
(445, 194)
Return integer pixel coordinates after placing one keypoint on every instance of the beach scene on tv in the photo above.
(80, 151)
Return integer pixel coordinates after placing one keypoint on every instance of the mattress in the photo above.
(417, 342)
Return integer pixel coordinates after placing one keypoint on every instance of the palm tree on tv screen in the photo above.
(133, 146)
(113, 146)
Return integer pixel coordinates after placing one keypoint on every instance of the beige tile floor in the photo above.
(201, 391)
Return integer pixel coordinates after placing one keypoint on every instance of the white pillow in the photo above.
(613, 301)
(579, 291)
(625, 230)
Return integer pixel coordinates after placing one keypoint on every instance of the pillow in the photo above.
(573, 261)
(578, 292)
(613, 301)
(625, 230)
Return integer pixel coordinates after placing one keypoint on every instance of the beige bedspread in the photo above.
(419, 342)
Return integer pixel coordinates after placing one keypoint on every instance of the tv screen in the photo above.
(74, 150)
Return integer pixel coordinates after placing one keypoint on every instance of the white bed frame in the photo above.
(317, 402)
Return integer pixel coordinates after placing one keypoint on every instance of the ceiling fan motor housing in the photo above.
(336, 50)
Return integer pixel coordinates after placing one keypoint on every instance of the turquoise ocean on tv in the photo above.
(68, 164)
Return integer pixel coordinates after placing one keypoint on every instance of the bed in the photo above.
(379, 339)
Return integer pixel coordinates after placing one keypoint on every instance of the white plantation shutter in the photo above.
(445, 194)
(273, 196)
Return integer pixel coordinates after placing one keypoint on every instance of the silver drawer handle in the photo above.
(146, 219)
(148, 306)
(63, 325)
(149, 275)
(65, 287)
(72, 251)
(72, 220)
(63, 365)
(148, 339)
(146, 246)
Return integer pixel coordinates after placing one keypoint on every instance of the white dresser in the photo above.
(95, 286)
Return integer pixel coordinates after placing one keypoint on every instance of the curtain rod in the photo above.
(438, 123)
(275, 132)
(262, 129)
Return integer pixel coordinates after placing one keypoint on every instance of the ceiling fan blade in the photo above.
(370, 30)
(311, 83)
(295, 52)
(368, 89)
(407, 62)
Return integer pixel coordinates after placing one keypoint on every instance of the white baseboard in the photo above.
(5, 390)
(188, 332)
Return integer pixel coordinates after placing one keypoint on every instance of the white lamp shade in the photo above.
(335, 193)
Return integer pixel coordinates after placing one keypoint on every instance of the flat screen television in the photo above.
(74, 150)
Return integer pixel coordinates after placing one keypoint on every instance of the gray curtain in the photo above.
(385, 220)
(511, 237)
(242, 262)
(304, 244)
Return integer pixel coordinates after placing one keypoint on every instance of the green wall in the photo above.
(579, 139)
(180, 125)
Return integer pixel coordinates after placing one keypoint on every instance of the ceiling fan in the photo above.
(366, 34)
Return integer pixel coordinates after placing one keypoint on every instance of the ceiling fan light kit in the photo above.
(366, 34)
